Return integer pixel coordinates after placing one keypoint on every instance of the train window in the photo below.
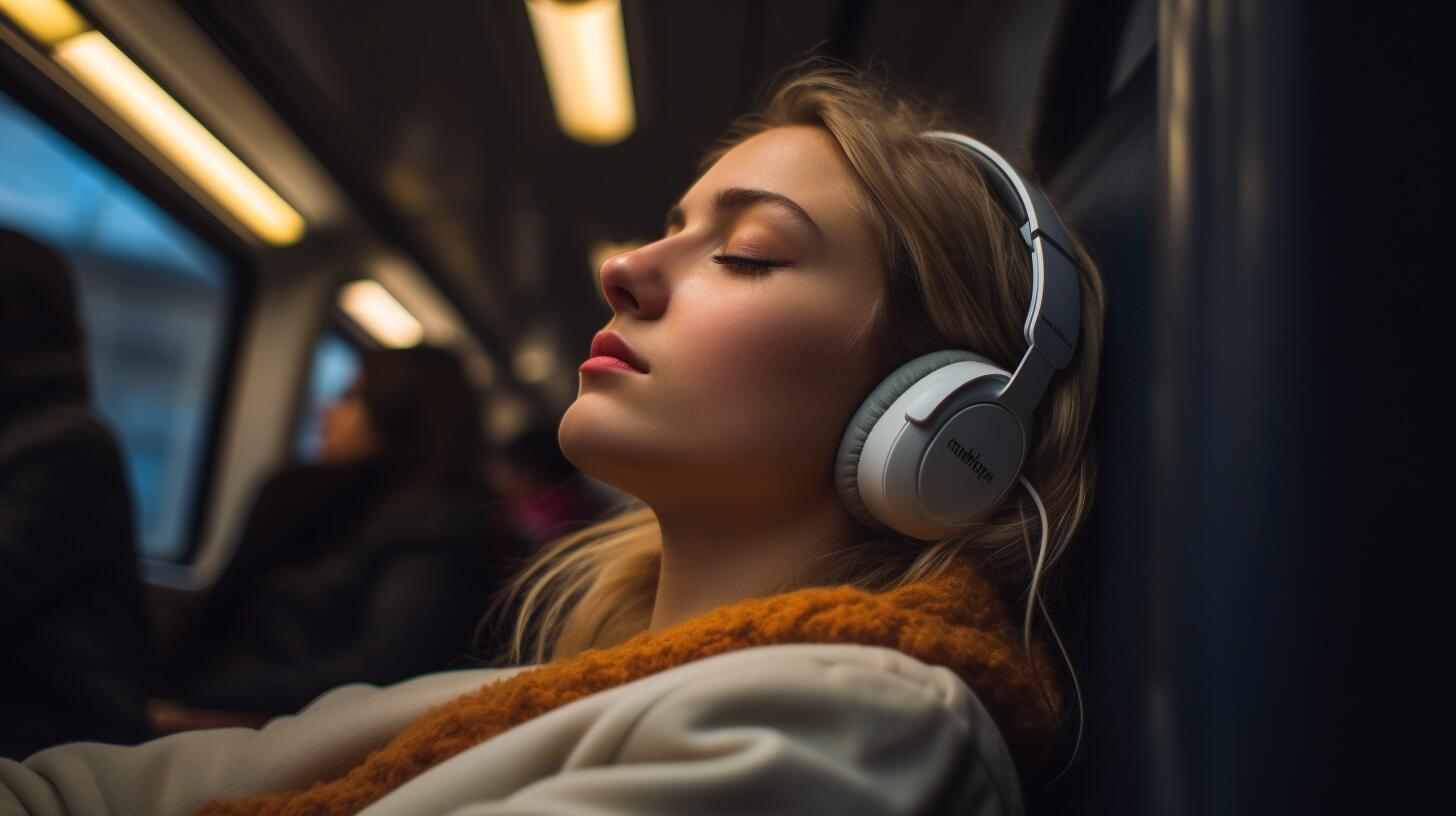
(335, 362)
(156, 305)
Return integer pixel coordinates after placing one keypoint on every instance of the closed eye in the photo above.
(747, 265)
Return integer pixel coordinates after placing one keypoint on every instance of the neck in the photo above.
(712, 559)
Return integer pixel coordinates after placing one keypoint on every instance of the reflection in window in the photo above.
(155, 307)
(335, 364)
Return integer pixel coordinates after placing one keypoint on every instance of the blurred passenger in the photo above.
(549, 496)
(373, 565)
(76, 637)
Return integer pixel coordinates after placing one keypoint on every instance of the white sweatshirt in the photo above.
(791, 729)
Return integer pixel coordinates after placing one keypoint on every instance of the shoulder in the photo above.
(906, 730)
(63, 469)
(62, 435)
(799, 729)
(858, 679)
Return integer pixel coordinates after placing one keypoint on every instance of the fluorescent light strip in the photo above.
(46, 21)
(377, 312)
(123, 86)
(584, 51)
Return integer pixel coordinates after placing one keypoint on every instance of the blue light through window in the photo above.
(155, 307)
(335, 365)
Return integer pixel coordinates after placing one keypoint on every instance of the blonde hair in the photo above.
(958, 277)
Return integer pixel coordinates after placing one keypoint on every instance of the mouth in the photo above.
(610, 352)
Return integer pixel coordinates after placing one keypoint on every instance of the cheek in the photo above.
(752, 350)
(775, 366)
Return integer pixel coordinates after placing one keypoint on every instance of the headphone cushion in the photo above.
(846, 462)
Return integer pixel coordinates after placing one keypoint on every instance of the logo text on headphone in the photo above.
(972, 460)
(1057, 330)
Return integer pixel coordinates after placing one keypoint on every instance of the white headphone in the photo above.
(940, 442)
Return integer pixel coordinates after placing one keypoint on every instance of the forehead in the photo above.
(799, 161)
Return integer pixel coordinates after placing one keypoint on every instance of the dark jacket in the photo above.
(75, 654)
(338, 580)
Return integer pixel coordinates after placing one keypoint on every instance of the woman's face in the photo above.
(349, 434)
(749, 317)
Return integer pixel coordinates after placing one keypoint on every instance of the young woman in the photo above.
(752, 637)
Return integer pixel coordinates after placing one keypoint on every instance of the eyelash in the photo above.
(748, 266)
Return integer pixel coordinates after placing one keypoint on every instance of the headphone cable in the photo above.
(1034, 601)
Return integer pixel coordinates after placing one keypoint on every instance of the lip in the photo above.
(610, 350)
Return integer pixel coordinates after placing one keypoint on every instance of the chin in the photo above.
(608, 447)
(592, 441)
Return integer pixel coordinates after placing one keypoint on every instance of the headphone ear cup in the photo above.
(851, 445)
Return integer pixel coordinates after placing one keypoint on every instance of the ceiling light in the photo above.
(117, 81)
(124, 87)
(584, 52)
(46, 21)
(377, 312)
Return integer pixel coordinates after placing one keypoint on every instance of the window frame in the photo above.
(36, 93)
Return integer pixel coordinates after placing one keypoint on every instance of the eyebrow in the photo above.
(737, 198)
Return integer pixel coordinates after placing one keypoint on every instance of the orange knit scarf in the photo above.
(956, 620)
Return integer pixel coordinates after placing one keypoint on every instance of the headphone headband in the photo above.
(1053, 318)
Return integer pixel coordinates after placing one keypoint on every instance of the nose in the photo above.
(634, 284)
